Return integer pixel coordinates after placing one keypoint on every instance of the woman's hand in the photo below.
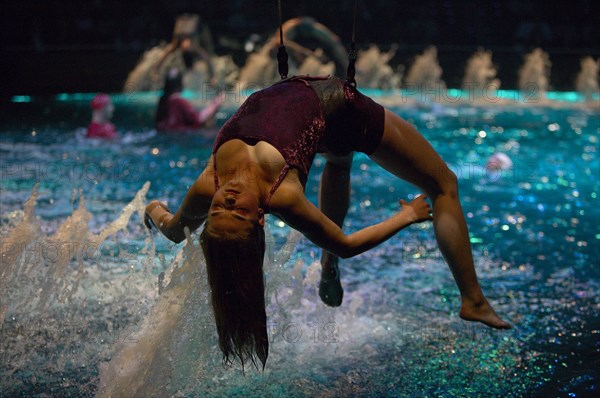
(153, 205)
(418, 210)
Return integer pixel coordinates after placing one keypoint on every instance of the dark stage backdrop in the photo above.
(56, 46)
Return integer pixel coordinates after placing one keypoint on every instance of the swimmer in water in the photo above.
(260, 163)
(175, 113)
(102, 112)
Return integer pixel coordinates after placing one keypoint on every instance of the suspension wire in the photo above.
(352, 53)
(282, 56)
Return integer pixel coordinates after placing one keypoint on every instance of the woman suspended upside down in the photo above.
(260, 163)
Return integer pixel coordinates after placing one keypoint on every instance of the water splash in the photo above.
(14, 244)
(37, 270)
(425, 73)
(260, 70)
(534, 74)
(225, 70)
(56, 287)
(587, 79)
(373, 70)
(180, 328)
(148, 76)
(174, 349)
(397, 333)
(191, 40)
(480, 75)
(141, 77)
(314, 66)
(170, 345)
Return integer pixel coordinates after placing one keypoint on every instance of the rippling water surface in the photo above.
(80, 274)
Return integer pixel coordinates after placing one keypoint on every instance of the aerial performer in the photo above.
(102, 112)
(259, 165)
(330, 57)
(190, 51)
(174, 113)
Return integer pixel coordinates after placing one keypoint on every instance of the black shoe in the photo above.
(148, 221)
(330, 287)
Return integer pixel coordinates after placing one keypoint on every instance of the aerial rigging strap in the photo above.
(352, 54)
(282, 56)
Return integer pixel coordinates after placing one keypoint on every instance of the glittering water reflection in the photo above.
(534, 231)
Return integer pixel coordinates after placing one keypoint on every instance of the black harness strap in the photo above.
(352, 54)
(282, 56)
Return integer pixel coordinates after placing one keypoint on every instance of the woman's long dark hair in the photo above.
(234, 265)
(173, 84)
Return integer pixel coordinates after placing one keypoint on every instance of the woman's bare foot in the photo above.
(330, 287)
(482, 312)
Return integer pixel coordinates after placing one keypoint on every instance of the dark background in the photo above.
(58, 46)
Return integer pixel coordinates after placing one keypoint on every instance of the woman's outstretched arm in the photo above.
(192, 212)
(308, 219)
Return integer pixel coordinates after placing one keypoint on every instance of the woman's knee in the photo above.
(444, 183)
(449, 183)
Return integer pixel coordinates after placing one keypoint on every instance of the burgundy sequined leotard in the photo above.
(304, 115)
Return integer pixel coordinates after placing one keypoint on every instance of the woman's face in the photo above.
(235, 208)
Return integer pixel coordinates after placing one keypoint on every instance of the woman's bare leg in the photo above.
(405, 153)
(334, 199)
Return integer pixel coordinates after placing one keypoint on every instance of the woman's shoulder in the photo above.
(287, 194)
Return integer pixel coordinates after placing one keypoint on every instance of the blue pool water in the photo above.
(80, 285)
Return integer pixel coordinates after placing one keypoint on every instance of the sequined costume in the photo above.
(304, 115)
